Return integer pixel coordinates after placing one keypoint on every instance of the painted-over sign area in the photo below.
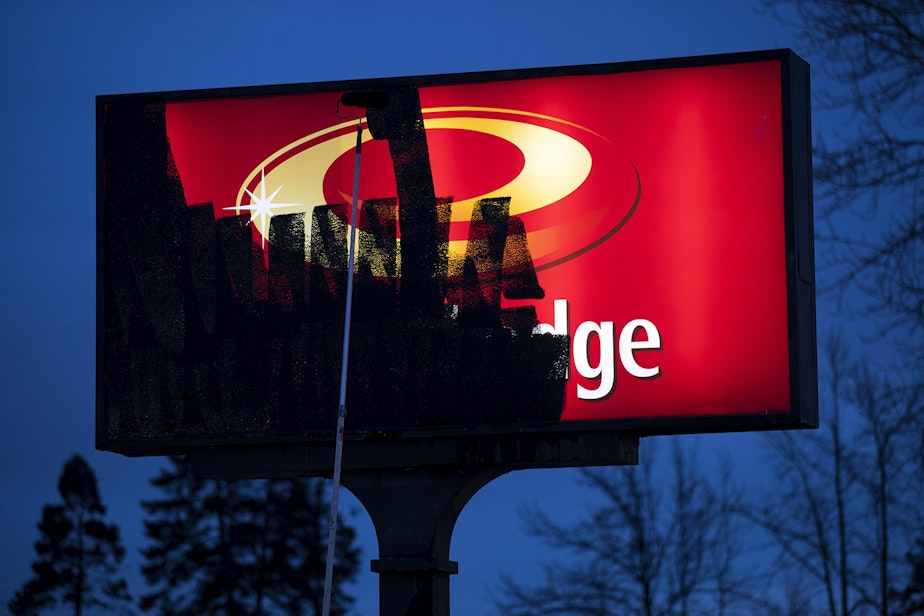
(581, 247)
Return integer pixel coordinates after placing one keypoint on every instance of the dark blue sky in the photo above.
(55, 57)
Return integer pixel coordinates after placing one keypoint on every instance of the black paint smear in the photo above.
(423, 256)
(203, 340)
(376, 271)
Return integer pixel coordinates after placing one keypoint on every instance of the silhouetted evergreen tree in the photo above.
(78, 552)
(241, 547)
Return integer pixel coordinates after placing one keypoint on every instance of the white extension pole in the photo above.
(341, 407)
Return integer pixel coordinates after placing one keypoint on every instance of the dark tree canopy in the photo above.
(78, 552)
(911, 597)
(241, 547)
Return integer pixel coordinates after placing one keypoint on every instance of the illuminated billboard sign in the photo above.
(605, 247)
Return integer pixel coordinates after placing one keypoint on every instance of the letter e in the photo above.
(627, 346)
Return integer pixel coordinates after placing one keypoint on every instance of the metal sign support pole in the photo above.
(414, 512)
(414, 509)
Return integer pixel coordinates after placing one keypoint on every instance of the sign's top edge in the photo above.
(463, 77)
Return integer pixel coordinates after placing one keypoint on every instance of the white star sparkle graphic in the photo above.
(262, 208)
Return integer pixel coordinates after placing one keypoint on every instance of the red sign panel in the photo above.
(539, 250)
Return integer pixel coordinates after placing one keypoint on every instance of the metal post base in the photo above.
(414, 512)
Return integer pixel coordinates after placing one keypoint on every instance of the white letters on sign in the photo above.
(605, 369)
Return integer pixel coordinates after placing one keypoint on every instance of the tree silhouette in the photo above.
(842, 519)
(241, 547)
(911, 598)
(869, 174)
(78, 552)
(650, 547)
(871, 168)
